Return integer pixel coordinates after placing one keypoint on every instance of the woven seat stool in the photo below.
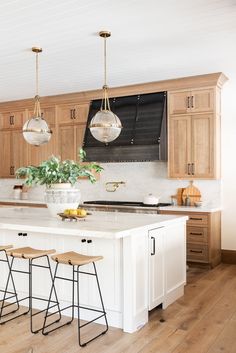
(7, 295)
(76, 261)
(31, 255)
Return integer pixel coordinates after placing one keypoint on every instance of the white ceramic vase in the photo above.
(61, 196)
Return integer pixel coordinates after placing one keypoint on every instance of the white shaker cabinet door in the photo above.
(156, 267)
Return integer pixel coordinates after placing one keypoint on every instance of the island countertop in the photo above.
(113, 225)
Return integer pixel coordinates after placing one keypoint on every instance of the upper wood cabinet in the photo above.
(48, 113)
(194, 101)
(13, 153)
(72, 114)
(70, 141)
(12, 120)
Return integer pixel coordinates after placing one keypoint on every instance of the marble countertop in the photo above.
(111, 225)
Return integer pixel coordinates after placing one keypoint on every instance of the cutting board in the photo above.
(192, 192)
(179, 196)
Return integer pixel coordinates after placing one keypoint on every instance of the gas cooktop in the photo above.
(125, 203)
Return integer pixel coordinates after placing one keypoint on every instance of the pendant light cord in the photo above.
(37, 109)
(105, 87)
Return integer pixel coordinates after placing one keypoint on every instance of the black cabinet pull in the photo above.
(89, 241)
(189, 173)
(11, 119)
(192, 233)
(192, 106)
(19, 234)
(196, 251)
(74, 116)
(153, 246)
(24, 234)
(83, 240)
(71, 113)
(193, 169)
(188, 102)
(195, 219)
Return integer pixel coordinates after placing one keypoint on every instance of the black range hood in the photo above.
(143, 136)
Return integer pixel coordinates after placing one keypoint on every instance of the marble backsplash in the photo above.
(141, 178)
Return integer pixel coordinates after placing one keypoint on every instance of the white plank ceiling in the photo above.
(151, 40)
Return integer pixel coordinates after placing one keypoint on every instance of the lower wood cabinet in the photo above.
(203, 237)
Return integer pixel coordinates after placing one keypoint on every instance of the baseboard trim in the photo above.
(228, 256)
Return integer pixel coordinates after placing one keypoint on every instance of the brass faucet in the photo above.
(111, 186)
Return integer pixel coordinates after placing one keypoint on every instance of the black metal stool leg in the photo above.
(79, 306)
(47, 315)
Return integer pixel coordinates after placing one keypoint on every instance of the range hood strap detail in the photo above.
(135, 120)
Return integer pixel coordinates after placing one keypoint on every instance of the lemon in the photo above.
(66, 212)
(73, 212)
(83, 212)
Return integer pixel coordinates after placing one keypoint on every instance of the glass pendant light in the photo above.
(105, 126)
(35, 130)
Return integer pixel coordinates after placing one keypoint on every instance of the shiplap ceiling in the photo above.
(151, 40)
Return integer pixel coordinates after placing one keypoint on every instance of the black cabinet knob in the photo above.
(83, 240)
(89, 241)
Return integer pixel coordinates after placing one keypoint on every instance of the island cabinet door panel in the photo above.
(203, 146)
(175, 258)
(156, 267)
(108, 270)
(179, 146)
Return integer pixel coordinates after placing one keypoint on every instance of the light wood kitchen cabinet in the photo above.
(70, 141)
(38, 154)
(193, 146)
(47, 113)
(191, 101)
(73, 113)
(13, 152)
(12, 120)
(203, 236)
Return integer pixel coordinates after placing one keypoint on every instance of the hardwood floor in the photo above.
(203, 321)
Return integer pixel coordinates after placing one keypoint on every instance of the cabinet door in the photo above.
(48, 114)
(79, 134)
(19, 150)
(38, 154)
(156, 268)
(77, 113)
(202, 100)
(203, 146)
(12, 120)
(179, 146)
(5, 154)
(179, 102)
(66, 142)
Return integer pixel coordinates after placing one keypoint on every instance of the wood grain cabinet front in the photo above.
(203, 236)
(12, 120)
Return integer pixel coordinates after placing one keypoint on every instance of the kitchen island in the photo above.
(144, 261)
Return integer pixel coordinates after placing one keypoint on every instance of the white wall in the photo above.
(229, 164)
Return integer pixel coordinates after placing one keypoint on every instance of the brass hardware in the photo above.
(104, 34)
(112, 186)
(37, 49)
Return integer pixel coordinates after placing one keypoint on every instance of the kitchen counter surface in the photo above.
(112, 225)
(207, 209)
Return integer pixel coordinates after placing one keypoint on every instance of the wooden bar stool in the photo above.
(31, 255)
(7, 294)
(76, 260)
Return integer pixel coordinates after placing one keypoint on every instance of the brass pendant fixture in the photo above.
(35, 130)
(105, 126)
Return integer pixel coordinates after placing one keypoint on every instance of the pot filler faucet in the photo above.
(111, 186)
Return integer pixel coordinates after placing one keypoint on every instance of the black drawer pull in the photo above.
(196, 233)
(20, 234)
(24, 234)
(197, 251)
(153, 246)
(89, 241)
(83, 240)
(195, 219)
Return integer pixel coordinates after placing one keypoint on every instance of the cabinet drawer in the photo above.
(197, 219)
(197, 234)
(197, 252)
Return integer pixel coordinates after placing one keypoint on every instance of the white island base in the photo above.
(144, 262)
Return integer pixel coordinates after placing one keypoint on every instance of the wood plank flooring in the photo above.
(203, 321)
